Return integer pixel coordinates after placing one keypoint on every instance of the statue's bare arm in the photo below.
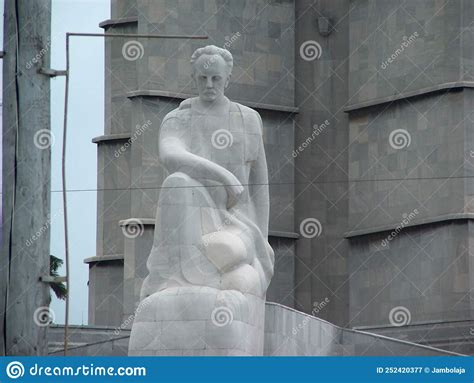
(177, 158)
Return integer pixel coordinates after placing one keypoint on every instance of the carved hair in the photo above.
(213, 50)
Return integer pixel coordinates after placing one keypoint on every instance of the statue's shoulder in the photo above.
(185, 105)
(245, 110)
(182, 112)
(252, 119)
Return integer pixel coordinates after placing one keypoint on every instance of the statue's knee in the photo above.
(177, 179)
(178, 189)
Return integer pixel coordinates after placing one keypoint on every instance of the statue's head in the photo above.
(212, 68)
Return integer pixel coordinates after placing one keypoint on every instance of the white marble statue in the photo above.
(211, 263)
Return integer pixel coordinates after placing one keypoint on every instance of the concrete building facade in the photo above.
(368, 128)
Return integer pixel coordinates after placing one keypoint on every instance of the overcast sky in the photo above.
(85, 121)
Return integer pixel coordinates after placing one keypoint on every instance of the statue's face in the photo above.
(211, 75)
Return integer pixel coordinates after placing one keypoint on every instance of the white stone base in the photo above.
(198, 321)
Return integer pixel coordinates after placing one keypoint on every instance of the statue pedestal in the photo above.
(198, 321)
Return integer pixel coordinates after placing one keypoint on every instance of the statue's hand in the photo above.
(234, 191)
